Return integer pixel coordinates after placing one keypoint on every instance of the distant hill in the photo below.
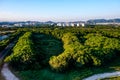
(104, 20)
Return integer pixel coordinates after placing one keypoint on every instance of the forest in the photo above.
(57, 53)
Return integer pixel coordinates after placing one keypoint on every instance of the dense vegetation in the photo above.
(96, 50)
(8, 40)
(76, 52)
(23, 53)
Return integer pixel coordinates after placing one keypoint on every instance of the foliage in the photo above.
(86, 51)
(96, 50)
(23, 53)
(46, 45)
(8, 40)
(101, 48)
(72, 47)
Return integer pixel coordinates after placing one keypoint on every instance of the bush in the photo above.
(101, 49)
(23, 52)
(96, 50)
(64, 60)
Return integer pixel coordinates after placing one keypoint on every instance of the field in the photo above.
(65, 53)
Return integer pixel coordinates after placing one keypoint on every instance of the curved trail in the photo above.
(103, 75)
(5, 72)
(8, 75)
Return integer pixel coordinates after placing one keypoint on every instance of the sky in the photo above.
(58, 10)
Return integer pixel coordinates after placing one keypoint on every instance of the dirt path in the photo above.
(103, 75)
(5, 72)
(8, 75)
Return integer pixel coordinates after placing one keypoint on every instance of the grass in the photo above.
(112, 78)
(74, 74)
(47, 45)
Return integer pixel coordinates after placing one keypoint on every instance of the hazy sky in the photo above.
(58, 10)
